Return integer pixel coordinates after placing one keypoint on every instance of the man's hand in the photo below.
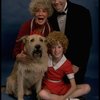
(75, 68)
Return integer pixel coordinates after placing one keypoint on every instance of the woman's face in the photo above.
(59, 4)
(57, 51)
(41, 16)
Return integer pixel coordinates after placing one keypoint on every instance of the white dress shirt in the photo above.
(62, 20)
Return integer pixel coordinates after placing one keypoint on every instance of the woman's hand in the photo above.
(22, 57)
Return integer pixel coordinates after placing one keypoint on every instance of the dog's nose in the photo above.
(37, 46)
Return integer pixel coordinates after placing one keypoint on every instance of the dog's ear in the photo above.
(23, 39)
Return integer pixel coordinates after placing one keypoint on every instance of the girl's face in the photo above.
(59, 4)
(57, 51)
(41, 16)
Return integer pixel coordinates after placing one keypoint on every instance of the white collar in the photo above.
(58, 65)
(65, 8)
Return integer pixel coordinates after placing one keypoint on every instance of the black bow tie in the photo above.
(60, 13)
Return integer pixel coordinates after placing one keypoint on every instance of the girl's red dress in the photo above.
(56, 73)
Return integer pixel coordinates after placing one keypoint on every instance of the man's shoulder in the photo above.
(77, 7)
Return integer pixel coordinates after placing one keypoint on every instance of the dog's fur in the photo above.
(24, 76)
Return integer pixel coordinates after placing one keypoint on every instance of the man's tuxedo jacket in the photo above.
(79, 32)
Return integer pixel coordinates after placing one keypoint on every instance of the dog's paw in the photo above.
(20, 99)
(3, 89)
(8, 90)
(38, 97)
(28, 92)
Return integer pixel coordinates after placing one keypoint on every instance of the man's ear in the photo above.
(23, 39)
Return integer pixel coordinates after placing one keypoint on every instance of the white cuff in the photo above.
(70, 76)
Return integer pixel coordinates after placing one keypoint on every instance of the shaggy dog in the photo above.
(24, 76)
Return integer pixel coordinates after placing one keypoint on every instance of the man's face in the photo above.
(58, 4)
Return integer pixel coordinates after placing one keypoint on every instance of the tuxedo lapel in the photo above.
(67, 26)
(69, 20)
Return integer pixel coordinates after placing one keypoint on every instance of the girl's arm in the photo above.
(72, 89)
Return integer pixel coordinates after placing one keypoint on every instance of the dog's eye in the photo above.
(41, 40)
(32, 40)
(45, 41)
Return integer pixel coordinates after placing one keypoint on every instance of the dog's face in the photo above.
(35, 45)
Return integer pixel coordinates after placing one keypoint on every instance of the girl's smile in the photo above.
(57, 51)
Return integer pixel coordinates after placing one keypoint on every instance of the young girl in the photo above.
(54, 87)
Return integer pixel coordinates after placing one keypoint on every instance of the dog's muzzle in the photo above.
(37, 52)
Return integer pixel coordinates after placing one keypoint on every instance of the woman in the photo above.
(40, 10)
